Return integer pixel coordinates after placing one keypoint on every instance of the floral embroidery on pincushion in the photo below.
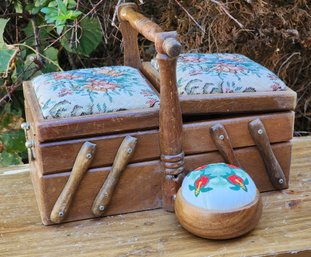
(199, 73)
(93, 91)
(219, 187)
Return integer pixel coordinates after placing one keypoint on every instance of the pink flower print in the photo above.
(60, 76)
(101, 85)
(146, 92)
(108, 72)
(228, 68)
(64, 92)
(190, 59)
(151, 102)
(231, 57)
(195, 72)
(276, 86)
(227, 90)
(272, 77)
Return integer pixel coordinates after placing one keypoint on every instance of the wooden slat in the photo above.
(229, 103)
(197, 139)
(77, 127)
(283, 231)
(139, 187)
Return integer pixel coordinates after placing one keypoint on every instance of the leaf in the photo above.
(235, 188)
(3, 23)
(7, 159)
(70, 4)
(18, 7)
(62, 7)
(13, 141)
(72, 15)
(191, 187)
(89, 37)
(206, 189)
(10, 119)
(6, 57)
(52, 54)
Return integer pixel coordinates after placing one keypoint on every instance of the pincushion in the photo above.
(218, 201)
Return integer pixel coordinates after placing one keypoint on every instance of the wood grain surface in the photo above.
(139, 187)
(197, 139)
(283, 231)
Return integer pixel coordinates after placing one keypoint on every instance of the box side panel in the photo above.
(60, 156)
(138, 189)
(140, 185)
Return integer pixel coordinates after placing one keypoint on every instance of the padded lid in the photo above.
(93, 91)
(219, 187)
(199, 73)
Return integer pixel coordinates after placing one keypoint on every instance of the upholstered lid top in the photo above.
(219, 187)
(199, 73)
(93, 91)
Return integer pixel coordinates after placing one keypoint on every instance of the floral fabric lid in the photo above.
(93, 91)
(199, 73)
(219, 187)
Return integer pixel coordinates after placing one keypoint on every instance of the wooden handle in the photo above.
(125, 152)
(171, 47)
(82, 162)
(275, 172)
(128, 12)
(165, 42)
(223, 144)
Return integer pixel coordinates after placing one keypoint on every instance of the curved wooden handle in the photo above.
(125, 152)
(82, 162)
(223, 144)
(128, 12)
(165, 41)
(275, 172)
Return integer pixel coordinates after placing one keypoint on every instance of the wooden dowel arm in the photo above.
(171, 47)
(165, 42)
(128, 12)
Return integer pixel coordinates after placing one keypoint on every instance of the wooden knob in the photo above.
(171, 47)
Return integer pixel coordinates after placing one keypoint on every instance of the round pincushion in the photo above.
(218, 201)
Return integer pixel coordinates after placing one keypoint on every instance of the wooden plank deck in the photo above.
(284, 230)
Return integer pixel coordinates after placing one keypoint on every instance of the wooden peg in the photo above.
(275, 172)
(223, 144)
(82, 162)
(124, 154)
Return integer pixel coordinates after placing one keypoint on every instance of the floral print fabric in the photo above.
(93, 91)
(199, 73)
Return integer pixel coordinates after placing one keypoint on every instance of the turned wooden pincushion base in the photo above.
(218, 225)
(218, 201)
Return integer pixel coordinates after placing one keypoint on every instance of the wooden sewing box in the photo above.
(212, 129)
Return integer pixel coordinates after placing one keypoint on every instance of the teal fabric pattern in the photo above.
(93, 91)
(199, 73)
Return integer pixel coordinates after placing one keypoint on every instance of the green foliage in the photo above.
(89, 35)
(6, 52)
(12, 139)
(58, 13)
(48, 31)
(3, 23)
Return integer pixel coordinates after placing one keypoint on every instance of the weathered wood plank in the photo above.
(284, 230)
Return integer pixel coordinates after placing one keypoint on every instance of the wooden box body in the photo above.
(57, 143)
